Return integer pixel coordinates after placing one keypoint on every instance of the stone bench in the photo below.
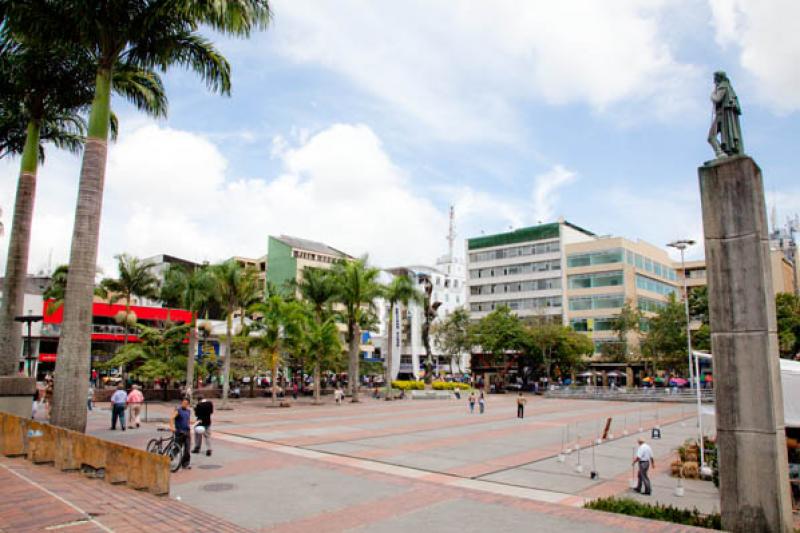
(431, 394)
(70, 450)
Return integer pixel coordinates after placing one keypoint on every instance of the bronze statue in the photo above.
(725, 135)
(430, 316)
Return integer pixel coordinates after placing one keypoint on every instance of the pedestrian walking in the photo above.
(471, 402)
(521, 401)
(180, 424)
(338, 394)
(135, 401)
(644, 456)
(202, 412)
(294, 390)
(90, 397)
(482, 403)
(118, 402)
(49, 387)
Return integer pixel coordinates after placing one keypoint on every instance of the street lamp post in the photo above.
(682, 245)
(29, 319)
(694, 373)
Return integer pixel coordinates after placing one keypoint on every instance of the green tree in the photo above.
(497, 333)
(400, 291)
(276, 330)
(160, 354)
(357, 288)
(665, 343)
(787, 308)
(135, 278)
(141, 33)
(230, 283)
(190, 290)
(43, 90)
(323, 346)
(56, 288)
(698, 303)
(628, 321)
(452, 335)
(547, 338)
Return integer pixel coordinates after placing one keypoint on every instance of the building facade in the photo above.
(604, 274)
(288, 256)
(521, 269)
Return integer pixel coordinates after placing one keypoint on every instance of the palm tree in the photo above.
(401, 291)
(357, 288)
(277, 329)
(146, 34)
(43, 90)
(190, 290)
(318, 288)
(230, 286)
(323, 346)
(135, 279)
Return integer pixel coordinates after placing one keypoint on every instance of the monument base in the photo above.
(753, 463)
(16, 395)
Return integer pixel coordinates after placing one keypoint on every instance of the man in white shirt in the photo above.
(644, 456)
(118, 402)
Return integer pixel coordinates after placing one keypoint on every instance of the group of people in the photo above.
(122, 401)
(481, 400)
(181, 424)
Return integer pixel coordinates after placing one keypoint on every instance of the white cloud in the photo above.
(545, 192)
(167, 192)
(765, 33)
(462, 68)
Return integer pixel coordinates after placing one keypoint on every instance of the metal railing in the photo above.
(630, 394)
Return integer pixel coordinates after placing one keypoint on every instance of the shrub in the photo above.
(449, 385)
(408, 385)
(666, 513)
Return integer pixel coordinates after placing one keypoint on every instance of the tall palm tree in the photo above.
(230, 281)
(401, 291)
(322, 345)
(43, 90)
(357, 288)
(277, 329)
(135, 279)
(142, 33)
(318, 288)
(190, 290)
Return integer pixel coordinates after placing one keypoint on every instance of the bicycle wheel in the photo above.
(154, 446)
(175, 454)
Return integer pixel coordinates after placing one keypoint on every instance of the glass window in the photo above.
(579, 324)
(598, 279)
(639, 261)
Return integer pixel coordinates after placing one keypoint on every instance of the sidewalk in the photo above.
(41, 498)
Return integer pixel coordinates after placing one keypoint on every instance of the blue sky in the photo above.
(359, 122)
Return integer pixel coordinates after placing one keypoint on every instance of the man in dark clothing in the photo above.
(203, 411)
(180, 424)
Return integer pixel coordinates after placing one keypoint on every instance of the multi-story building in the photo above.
(693, 271)
(521, 269)
(288, 256)
(605, 273)
(408, 350)
(31, 306)
(258, 265)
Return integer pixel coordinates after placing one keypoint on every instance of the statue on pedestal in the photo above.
(725, 135)
(430, 315)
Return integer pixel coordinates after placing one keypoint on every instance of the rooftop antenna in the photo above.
(451, 235)
(773, 219)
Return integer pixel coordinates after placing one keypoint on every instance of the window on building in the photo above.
(602, 257)
(649, 304)
(652, 285)
(601, 301)
(597, 279)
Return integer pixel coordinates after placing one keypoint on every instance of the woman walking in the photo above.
(482, 403)
(472, 402)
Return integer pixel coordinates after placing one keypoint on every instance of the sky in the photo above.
(359, 122)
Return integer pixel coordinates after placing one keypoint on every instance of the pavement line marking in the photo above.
(88, 516)
(406, 472)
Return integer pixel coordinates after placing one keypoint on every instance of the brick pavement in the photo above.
(372, 466)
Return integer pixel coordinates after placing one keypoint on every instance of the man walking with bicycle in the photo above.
(180, 424)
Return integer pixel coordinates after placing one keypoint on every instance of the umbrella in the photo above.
(680, 382)
(659, 380)
(615, 374)
(648, 379)
(586, 374)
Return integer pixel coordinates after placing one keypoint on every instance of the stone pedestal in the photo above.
(16, 395)
(754, 486)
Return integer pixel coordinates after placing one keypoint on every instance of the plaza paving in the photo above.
(420, 464)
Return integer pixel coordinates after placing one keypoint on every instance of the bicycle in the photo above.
(167, 446)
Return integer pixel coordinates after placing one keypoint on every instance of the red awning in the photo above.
(47, 357)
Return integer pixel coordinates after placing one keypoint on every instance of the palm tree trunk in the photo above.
(74, 348)
(389, 350)
(17, 260)
(317, 381)
(226, 369)
(192, 353)
(274, 377)
(354, 377)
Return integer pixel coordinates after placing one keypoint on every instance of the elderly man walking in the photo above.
(118, 402)
(135, 401)
(644, 456)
